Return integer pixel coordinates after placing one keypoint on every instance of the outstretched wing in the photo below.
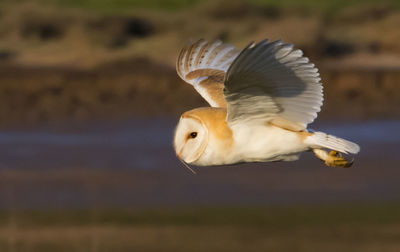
(204, 65)
(272, 82)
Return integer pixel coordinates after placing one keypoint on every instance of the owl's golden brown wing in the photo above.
(204, 65)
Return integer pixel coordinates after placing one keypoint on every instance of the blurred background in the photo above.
(89, 99)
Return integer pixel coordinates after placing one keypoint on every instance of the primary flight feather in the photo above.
(262, 99)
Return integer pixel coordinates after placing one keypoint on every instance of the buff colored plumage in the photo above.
(262, 99)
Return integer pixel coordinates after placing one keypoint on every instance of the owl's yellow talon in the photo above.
(335, 159)
(334, 153)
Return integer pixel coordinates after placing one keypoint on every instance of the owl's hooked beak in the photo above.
(179, 154)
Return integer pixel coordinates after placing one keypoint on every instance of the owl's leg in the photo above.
(333, 158)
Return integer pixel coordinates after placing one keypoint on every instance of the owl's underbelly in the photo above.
(268, 143)
(255, 144)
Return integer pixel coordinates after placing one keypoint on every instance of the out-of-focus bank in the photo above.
(108, 60)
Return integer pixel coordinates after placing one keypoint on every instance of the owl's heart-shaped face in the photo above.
(191, 138)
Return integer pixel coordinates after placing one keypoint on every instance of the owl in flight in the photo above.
(262, 99)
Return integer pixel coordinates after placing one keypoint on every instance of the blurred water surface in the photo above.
(140, 144)
(133, 164)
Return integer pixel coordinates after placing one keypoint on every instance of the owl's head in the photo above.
(191, 138)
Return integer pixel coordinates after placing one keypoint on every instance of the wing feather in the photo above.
(270, 81)
(204, 65)
(265, 82)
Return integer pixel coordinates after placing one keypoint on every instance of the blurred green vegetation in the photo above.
(268, 217)
(312, 228)
(116, 6)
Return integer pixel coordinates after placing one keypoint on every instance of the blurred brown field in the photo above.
(48, 50)
(89, 98)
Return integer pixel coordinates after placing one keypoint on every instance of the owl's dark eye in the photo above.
(193, 134)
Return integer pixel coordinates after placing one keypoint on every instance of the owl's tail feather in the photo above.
(318, 141)
(323, 140)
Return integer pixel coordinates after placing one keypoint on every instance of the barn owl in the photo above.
(262, 99)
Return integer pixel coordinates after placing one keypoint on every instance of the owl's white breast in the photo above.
(260, 143)
(254, 143)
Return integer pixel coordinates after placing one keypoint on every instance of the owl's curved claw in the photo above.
(335, 159)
